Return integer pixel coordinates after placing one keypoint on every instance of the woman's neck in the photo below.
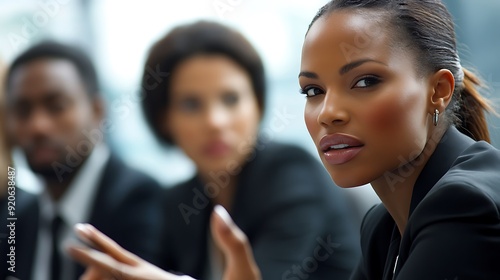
(396, 196)
(395, 188)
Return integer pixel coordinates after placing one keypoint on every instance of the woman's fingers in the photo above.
(92, 274)
(240, 263)
(113, 261)
(102, 265)
(100, 241)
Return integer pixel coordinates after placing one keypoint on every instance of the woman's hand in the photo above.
(114, 262)
(240, 263)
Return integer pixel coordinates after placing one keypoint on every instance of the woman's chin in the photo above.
(346, 183)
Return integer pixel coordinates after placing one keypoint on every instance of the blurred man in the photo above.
(56, 117)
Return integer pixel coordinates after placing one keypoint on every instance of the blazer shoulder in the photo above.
(121, 185)
(180, 192)
(457, 223)
(278, 161)
(454, 201)
(285, 173)
(477, 166)
(119, 173)
(471, 182)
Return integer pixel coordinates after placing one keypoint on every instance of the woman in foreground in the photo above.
(388, 103)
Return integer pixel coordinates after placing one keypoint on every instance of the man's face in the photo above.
(50, 112)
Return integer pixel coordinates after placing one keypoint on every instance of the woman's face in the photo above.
(367, 107)
(213, 115)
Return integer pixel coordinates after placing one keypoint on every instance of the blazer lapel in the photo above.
(449, 148)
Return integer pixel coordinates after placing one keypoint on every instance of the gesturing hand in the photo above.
(111, 261)
(240, 264)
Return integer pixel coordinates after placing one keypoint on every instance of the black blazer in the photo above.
(287, 206)
(453, 230)
(126, 208)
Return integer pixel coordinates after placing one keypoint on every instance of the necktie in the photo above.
(57, 222)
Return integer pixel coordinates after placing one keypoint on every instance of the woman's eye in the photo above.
(311, 91)
(367, 82)
(230, 99)
(190, 105)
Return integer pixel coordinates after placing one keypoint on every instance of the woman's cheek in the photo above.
(383, 115)
(311, 120)
(393, 105)
(393, 120)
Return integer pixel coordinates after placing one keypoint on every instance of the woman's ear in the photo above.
(442, 86)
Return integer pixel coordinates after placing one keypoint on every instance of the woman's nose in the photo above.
(217, 117)
(333, 110)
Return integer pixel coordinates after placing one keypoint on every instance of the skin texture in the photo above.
(213, 111)
(48, 114)
(380, 99)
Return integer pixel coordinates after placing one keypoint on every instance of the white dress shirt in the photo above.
(73, 207)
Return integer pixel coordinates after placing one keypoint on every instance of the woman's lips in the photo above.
(340, 148)
(216, 149)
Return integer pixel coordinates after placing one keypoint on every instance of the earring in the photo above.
(435, 118)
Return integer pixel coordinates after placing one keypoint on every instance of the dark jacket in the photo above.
(126, 209)
(295, 218)
(453, 231)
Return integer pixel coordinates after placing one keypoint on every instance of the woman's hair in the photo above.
(182, 43)
(427, 27)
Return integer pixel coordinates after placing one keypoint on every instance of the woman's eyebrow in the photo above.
(348, 67)
(343, 70)
(308, 74)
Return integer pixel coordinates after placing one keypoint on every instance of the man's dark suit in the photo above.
(126, 208)
(453, 231)
(295, 218)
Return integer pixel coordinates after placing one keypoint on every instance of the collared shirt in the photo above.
(74, 207)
